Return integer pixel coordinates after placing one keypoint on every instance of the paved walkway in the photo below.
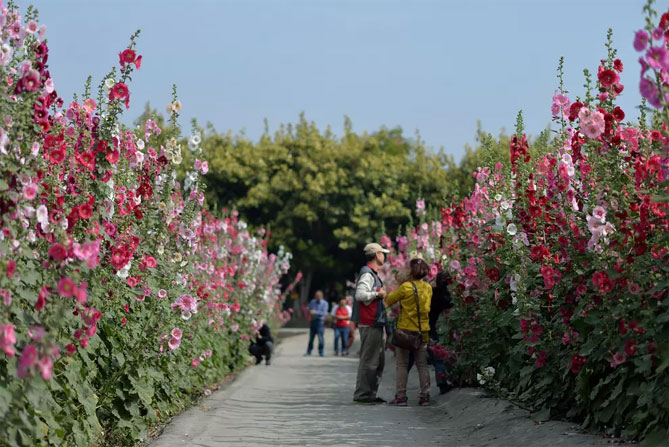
(307, 401)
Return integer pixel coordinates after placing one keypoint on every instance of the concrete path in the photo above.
(307, 401)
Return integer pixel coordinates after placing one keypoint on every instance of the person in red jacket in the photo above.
(342, 316)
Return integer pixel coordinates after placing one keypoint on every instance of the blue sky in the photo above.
(436, 66)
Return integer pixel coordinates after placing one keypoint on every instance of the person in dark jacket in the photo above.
(263, 344)
(441, 302)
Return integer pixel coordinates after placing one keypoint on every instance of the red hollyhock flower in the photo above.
(541, 359)
(120, 91)
(574, 109)
(630, 347)
(618, 114)
(493, 274)
(577, 363)
(41, 299)
(57, 252)
(127, 56)
(607, 78)
(618, 65)
(57, 156)
(85, 211)
(11, 268)
(112, 156)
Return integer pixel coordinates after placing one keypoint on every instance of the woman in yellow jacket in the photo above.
(408, 320)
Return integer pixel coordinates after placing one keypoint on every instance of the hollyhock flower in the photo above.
(57, 252)
(26, 361)
(30, 82)
(512, 229)
(66, 287)
(174, 343)
(630, 347)
(30, 191)
(658, 58)
(36, 333)
(127, 56)
(577, 363)
(641, 40)
(195, 362)
(6, 297)
(7, 339)
(41, 299)
(617, 359)
(46, 367)
(176, 333)
(11, 268)
(162, 293)
(541, 360)
(649, 91)
(120, 91)
(599, 212)
(5, 54)
(607, 78)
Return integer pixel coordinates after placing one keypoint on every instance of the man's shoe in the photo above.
(364, 401)
(258, 360)
(307, 354)
(399, 402)
(379, 400)
(268, 362)
(425, 401)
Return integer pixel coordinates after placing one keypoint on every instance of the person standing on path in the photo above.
(318, 309)
(412, 314)
(369, 314)
(342, 315)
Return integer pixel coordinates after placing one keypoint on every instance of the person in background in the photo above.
(318, 309)
(263, 344)
(410, 317)
(341, 313)
(441, 302)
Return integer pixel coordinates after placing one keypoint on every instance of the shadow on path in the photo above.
(307, 401)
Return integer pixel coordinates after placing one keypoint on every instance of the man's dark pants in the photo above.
(316, 328)
(372, 361)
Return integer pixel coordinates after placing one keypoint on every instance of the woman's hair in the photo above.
(440, 293)
(418, 269)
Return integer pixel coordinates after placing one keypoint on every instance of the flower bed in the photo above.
(561, 260)
(121, 297)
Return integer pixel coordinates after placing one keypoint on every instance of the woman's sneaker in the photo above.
(425, 400)
(399, 402)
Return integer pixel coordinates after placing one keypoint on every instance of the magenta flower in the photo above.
(640, 40)
(649, 91)
(658, 58)
(26, 361)
(176, 333)
(66, 287)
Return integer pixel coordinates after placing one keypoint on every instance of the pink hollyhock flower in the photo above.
(176, 333)
(195, 362)
(658, 34)
(32, 27)
(46, 367)
(66, 287)
(174, 343)
(599, 213)
(658, 58)
(617, 359)
(30, 191)
(80, 293)
(27, 360)
(640, 40)
(6, 297)
(162, 293)
(36, 333)
(70, 349)
(7, 339)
